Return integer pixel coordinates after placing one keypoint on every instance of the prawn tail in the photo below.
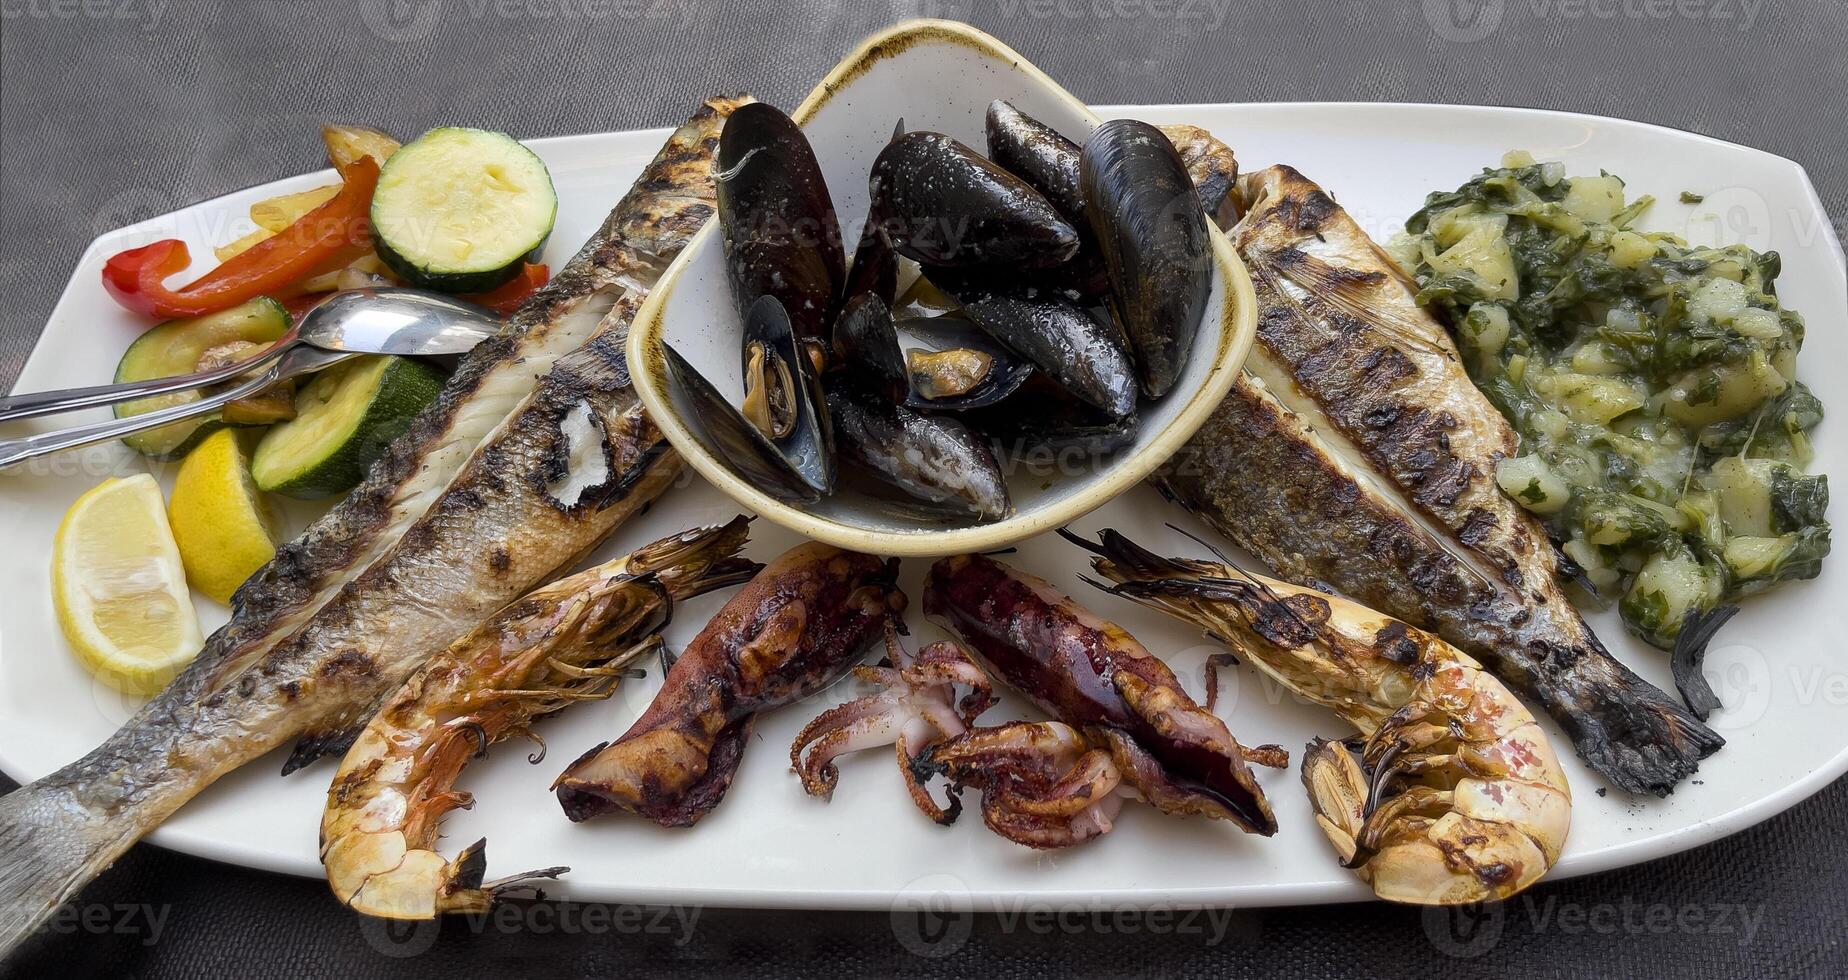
(51, 846)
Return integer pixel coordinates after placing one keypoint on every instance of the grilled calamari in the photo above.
(1354, 452)
(534, 451)
(787, 634)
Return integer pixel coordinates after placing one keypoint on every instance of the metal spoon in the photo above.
(410, 322)
(383, 321)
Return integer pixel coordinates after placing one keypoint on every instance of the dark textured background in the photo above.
(110, 113)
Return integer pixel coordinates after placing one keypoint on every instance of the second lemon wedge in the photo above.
(220, 521)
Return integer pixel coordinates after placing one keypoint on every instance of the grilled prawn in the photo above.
(1456, 795)
(568, 641)
(790, 632)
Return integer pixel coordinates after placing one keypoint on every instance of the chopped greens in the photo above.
(1653, 383)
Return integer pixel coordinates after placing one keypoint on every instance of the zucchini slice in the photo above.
(174, 348)
(343, 421)
(461, 210)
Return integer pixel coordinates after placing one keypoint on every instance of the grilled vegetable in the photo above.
(344, 419)
(1653, 384)
(178, 347)
(322, 240)
(462, 210)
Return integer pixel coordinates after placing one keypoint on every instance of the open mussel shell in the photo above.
(777, 222)
(942, 204)
(1085, 355)
(953, 365)
(792, 456)
(1145, 215)
(731, 438)
(1037, 154)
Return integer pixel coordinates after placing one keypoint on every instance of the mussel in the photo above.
(1145, 215)
(1085, 355)
(787, 450)
(942, 204)
(1036, 153)
(934, 460)
(779, 229)
(954, 365)
(1056, 422)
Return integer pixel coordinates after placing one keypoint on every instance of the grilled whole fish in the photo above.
(506, 479)
(1355, 453)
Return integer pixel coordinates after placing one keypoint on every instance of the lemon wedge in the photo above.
(219, 519)
(118, 587)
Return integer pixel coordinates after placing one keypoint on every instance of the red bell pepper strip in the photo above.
(325, 239)
(506, 298)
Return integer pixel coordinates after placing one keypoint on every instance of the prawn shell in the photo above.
(1146, 217)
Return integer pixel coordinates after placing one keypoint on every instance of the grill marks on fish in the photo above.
(443, 525)
(1355, 453)
(427, 589)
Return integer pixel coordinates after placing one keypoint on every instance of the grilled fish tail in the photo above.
(51, 845)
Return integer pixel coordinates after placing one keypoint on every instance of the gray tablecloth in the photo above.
(115, 110)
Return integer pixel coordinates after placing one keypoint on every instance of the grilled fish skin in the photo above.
(1355, 454)
(413, 559)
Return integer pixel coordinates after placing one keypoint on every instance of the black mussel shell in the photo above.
(777, 221)
(793, 456)
(1037, 154)
(1085, 355)
(933, 459)
(868, 348)
(1056, 422)
(874, 270)
(1145, 216)
(942, 204)
(953, 343)
(733, 439)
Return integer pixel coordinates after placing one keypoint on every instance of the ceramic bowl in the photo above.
(935, 75)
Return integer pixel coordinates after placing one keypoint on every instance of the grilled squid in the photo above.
(917, 706)
(566, 642)
(1043, 783)
(1095, 678)
(787, 634)
(1449, 794)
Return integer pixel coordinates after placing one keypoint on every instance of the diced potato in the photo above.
(1718, 300)
(1482, 253)
(1681, 582)
(1707, 395)
(1533, 484)
(1753, 557)
(1590, 399)
(1486, 329)
(1516, 159)
(1630, 250)
(1758, 324)
(1592, 561)
(1594, 198)
(1595, 358)
(1744, 486)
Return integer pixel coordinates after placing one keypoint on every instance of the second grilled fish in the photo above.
(1355, 453)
